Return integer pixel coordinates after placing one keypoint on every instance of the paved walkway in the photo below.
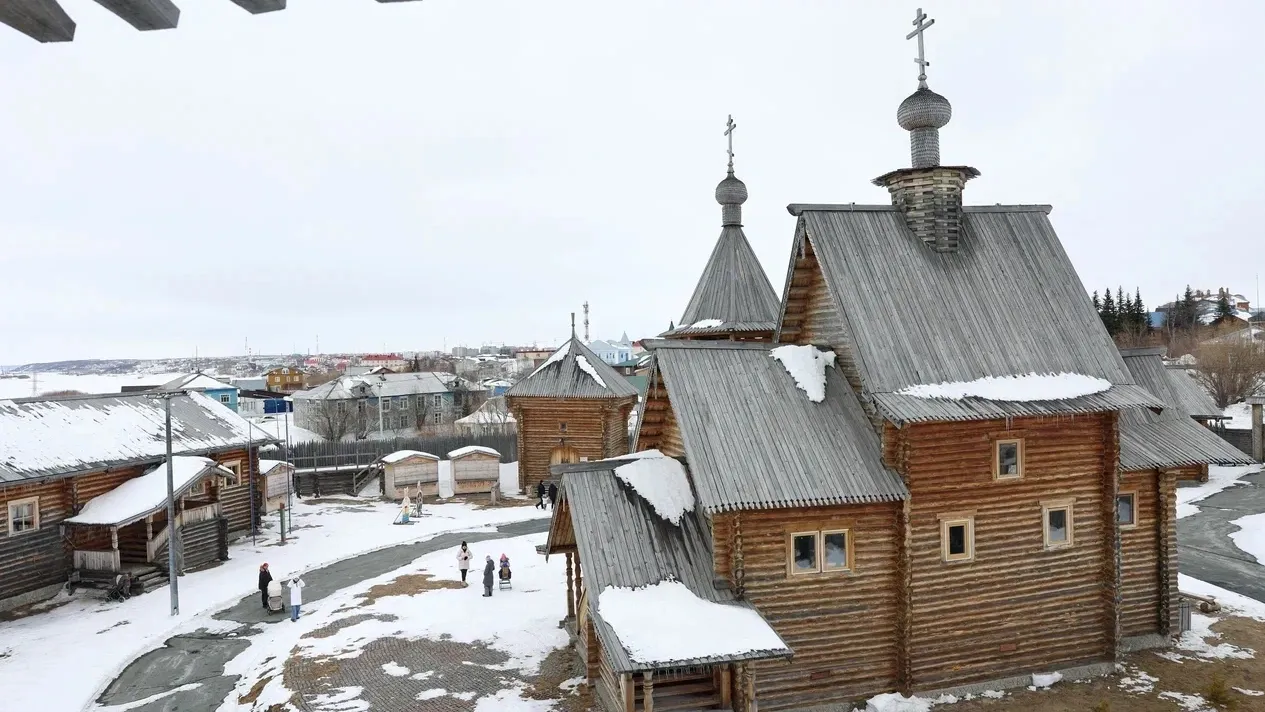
(1204, 547)
(200, 657)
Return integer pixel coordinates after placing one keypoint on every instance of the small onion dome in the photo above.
(731, 191)
(924, 109)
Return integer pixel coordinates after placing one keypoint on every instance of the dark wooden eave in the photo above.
(46, 21)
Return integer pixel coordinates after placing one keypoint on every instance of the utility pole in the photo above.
(174, 531)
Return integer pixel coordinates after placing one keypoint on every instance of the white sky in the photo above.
(415, 175)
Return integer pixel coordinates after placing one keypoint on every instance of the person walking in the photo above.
(265, 578)
(296, 597)
(553, 495)
(540, 494)
(463, 561)
(488, 568)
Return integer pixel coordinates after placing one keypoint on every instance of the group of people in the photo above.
(489, 568)
(543, 490)
(295, 585)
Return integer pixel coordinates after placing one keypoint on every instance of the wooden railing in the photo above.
(192, 515)
(153, 545)
(97, 560)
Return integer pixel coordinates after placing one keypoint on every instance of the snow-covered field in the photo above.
(1240, 416)
(21, 387)
(97, 639)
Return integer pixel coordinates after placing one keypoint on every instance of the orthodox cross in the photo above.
(573, 325)
(729, 131)
(920, 26)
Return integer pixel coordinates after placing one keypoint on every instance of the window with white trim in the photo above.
(439, 400)
(436, 418)
(24, 515)
(386, 404)
(816, 552)
(1126, 510)
(957, 538)
(225, 398)
(1056, 524)
(1008, 459)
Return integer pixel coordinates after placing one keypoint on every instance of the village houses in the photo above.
(893, 495)
(385, 402)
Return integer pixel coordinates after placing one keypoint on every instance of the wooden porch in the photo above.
(142, 545)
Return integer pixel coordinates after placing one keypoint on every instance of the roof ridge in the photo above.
(718, 345)
(799, 208)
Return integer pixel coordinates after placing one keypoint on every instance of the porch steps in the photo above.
(150, 580)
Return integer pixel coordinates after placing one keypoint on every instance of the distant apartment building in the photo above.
(612, 352)
(394, 362)
(385, 403)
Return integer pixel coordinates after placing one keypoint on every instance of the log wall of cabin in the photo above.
(841, 625)
(235, 500)
(1140, 547)
(589, 426)
(38, 558)
(654, 417)
(1170, 616)
(1015, 607)
(95, 484)
(616, 429)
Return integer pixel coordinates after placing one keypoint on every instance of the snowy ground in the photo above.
(96, 639)
(21, 387)
(1240, 417)
(274, 426)
(1219, 478)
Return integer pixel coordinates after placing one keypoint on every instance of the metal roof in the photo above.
(755, 441)
(623, 543)
(562, 376)
(1192, 397)
(733, 288)
(52, 437)
(1171, 438)
(381, 385)
(1007, 302)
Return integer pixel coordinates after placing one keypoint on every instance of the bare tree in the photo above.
(335, 419)
(1231, 369)
(54, 394)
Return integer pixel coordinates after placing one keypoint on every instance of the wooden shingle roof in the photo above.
(733, 289)
(1192, 397)
(573, 371)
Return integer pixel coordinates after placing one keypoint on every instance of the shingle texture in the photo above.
(624, 543)
(565, 377)
(1170, 438)
(733, 288)
(755, 441)
(1192, 397)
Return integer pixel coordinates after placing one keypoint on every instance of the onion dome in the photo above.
(924, 109)
(731, 191)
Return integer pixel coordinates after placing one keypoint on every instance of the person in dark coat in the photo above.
(265, 578)
(553, 494)
(488, 568)
(540, 494)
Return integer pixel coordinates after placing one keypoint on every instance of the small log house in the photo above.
(573, 407)
(918, 486)
(475, 469)
(410, 473)
(58, 454)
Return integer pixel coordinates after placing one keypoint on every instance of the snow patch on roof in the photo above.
(557, 356)
(704, 324)
(807, 365)
(588, 368)
(266, 466)
(662, 482)
(406, 454)
(682, 625)
(469, 449)
(142, 495)
(1027, 387)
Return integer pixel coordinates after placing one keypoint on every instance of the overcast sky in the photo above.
(429, 174)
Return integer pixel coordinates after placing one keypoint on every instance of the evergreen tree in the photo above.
(1189, 310)
(1097, 303)
(1144, 316)
(1109, 315)
(1128, 318)
(1224, 310)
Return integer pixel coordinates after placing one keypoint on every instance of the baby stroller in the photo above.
(274, 597)
(504, 574)
(121, 589)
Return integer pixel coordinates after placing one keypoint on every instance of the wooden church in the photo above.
(947, 498)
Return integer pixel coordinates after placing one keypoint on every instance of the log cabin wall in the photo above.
(616, 429)
(1016, 607)
(1140, 546)
(841, 625)
(94, 484)
(1170, 616)
(235, 500)
(540, 432)
(37, 559)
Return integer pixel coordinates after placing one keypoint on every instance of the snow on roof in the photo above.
(139, 497)
(196, 381)
(704, 324)
(43, 437)
(557, 356)
(1027, 387)
(399, 455)
(807, 365)
(266, 466)
(682, 626)
(588, 368)
(470, 450)
(661, 481)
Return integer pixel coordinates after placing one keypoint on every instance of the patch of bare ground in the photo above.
(256, 690)
(1147, 675)
(349, 621)
(31, 610)
(407, 585)
(559, 667)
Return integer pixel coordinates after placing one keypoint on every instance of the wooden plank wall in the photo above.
(477, 467)
(37, 559)
(1016, 607)
(588, 426)
(1140, 554)
(201, 542)
(1170, 616)
(235, 500)
(842, 626)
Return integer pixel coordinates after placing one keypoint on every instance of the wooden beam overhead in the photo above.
(41, 20)
(258, 7)
(144, 14)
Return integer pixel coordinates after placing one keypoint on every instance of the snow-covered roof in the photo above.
(381, 385)
(573, 371)
(683, 627)
(196, 381)
(144, 495)
(661, 481)
(51, 437)
(492, 412)
(399, 455)
(1019, 388)
(267, 466)
(470, 450)
(807, 365)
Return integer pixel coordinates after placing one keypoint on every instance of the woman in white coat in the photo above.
(296, 585)
(463, 560)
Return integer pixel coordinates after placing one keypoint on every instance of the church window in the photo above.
(1008, 459)
(957, 538)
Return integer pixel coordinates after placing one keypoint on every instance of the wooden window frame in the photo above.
(236, 468)
(35, 515)
(198, 490)
(791, 571)
(226, 399)
(1019, 456)
(1069, 506)
(847, 550)
(1133, 508)
(953, 520)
